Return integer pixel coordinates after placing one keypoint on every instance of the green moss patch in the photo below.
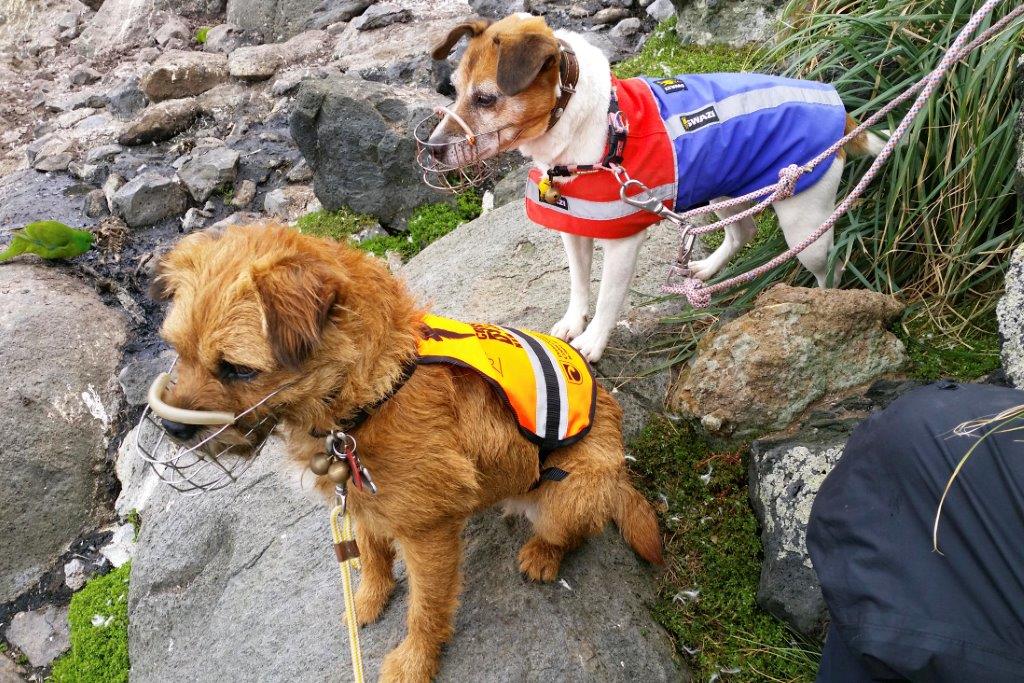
(201, 34)
(663, 55)
(707, 595)
(427, 224)
(337, 225)
(934, 356)
(99, 632)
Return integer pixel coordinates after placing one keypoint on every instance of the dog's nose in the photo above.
(178, 430)
(439, 150)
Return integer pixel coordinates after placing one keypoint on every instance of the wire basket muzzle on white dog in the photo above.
(210, 463)
(454, 164)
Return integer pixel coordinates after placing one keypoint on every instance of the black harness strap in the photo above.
(364, 413)
(549, 474)
(617, 133)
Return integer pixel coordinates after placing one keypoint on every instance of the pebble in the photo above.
(83, 75)
(42, 634)
(609, 15)
(121, 546)
(95, 207)
(75, 575)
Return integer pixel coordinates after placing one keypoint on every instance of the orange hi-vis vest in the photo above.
(544, 381)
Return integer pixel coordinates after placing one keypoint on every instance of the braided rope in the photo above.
(699, 294)
(341, 533)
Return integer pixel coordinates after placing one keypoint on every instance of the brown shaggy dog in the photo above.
(259, 308)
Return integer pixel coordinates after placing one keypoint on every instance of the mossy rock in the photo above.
(99, 632)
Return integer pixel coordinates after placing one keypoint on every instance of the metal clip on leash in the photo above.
(339, 462)
(657, 206)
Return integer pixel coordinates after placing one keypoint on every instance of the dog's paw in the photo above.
(371, 601)
(408, 664)
(569, 327)
(703, 269)
(540, 560)
(590, 344)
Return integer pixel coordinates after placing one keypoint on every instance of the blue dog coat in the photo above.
(693, 138)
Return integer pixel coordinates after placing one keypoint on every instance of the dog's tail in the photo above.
(867, 144)
(636, 520)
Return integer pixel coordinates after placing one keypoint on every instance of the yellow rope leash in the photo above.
(345, 548)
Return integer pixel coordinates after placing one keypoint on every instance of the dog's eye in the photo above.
(484, 100)
(231, 372)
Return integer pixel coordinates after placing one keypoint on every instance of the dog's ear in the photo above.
(163, 285)
(473, 27)
(297, 295)
(521, 58)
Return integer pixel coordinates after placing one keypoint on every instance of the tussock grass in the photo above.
(937, 225)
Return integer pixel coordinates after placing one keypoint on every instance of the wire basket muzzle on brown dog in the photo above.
(454, 164)
(224, 450)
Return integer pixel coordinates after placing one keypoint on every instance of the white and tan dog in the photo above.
(691, 139)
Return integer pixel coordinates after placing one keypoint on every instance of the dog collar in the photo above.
(568, 77)
(365, 412)
(618, 131)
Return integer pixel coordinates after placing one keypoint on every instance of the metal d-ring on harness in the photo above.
(699, 294)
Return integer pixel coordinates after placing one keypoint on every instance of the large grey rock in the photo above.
(161, 122)
(172, 28)
(334, 11)
(59, 350)
(400, 45)
(1010, 312)
(737, 22)
(276, 19)
(208, 171)
(42, 634)
(126, 99)
(497, 9)
(136, 377)
(784, 480)
(784, 477)
(244, 580)
(512, 187)
(381, 15)
(149, 198)
(260, 62)
(223, 38)
(196, 9)
(513, 272)
(758, 372)
(27, 196)
(660, 10)
(357, 137)
(255, 62)
(179, 73)
(9, 672)
(120, 24)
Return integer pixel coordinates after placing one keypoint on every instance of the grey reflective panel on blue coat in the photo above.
(733, 133)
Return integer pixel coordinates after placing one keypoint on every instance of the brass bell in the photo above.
(320, 463)
(338, 472)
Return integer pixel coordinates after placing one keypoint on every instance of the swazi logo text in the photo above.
(699, 119)
(671, 84)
